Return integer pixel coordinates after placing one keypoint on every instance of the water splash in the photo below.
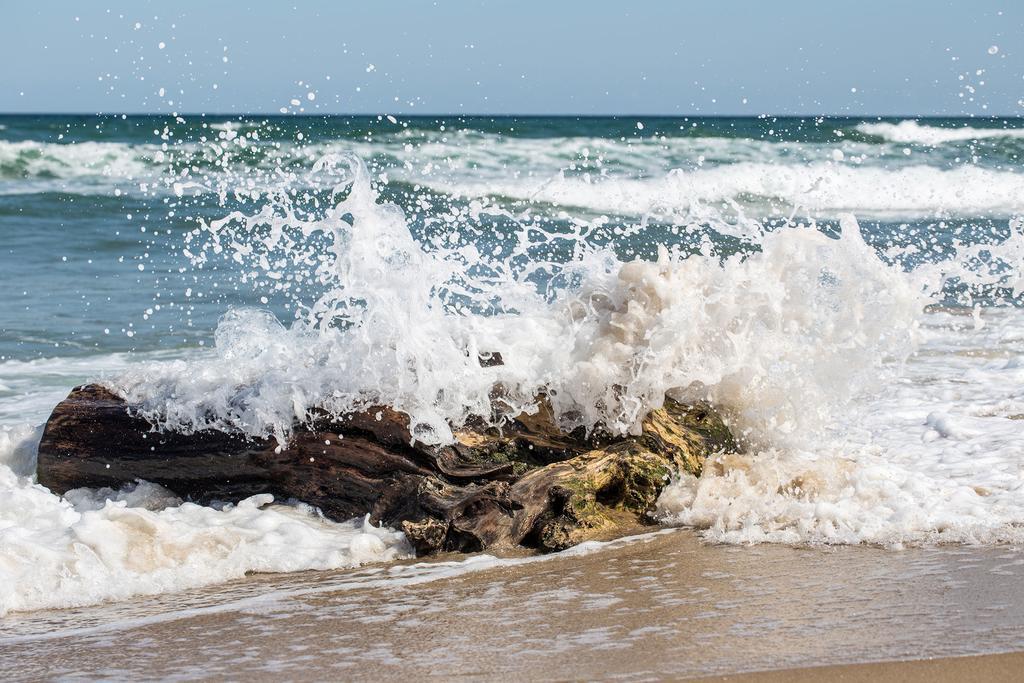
(781, 334)
(797, 331)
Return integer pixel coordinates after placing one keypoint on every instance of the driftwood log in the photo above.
(528, 484)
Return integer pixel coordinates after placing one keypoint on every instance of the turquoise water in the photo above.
(86, 200)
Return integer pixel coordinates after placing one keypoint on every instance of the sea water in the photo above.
(847, 291)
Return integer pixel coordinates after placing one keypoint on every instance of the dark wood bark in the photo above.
(529, 484)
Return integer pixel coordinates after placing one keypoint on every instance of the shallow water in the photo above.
(658, 606)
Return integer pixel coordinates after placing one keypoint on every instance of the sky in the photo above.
(738, 57)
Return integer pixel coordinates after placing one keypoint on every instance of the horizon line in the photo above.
(514, 115)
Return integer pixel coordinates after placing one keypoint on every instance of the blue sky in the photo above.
(552, 57)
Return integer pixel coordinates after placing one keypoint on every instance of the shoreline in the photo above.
(658, 606)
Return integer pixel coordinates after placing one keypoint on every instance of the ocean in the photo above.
(847, 290)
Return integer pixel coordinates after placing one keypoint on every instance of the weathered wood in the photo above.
(527, 484)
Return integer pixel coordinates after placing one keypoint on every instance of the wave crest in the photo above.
(914, 132)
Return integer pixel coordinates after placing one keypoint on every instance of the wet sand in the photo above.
(990, 668)
(659, 607)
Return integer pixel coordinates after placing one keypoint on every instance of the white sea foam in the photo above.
(101, 168)
(914, 132)
(937, 456)
(757, 333)
(628, 177)
(94, 546)
(824, 189)
(29, 389)
(633, 177)
(18, 446)
(97, 545)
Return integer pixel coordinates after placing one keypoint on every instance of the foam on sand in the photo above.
(93, 546)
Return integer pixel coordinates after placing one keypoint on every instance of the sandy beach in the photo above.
(1001, 667)
(659, 606)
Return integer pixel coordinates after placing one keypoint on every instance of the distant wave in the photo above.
(30, 388)
(822, 188)
(31, 159)
(599, 175)
(913, 132)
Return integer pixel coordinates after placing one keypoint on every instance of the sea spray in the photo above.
(933, 456)
(793, 335)
(780, 337)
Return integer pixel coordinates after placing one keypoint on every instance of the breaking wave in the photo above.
(798, 340)
(917, 133)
